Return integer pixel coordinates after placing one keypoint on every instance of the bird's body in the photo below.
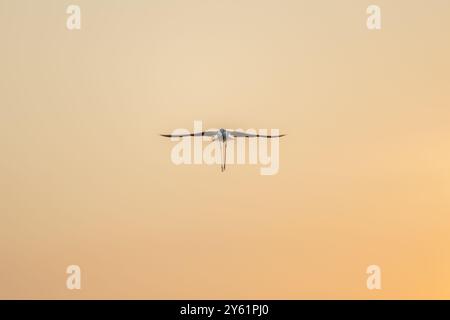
(222, 135)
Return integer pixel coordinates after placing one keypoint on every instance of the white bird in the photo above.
(222, 135)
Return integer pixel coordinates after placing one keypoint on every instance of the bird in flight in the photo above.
(222, 136)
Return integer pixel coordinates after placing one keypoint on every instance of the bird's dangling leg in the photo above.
(221, 156)
(225, 156)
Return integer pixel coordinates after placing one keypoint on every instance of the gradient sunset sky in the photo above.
(86, 179)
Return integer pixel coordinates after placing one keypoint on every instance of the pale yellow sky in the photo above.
(364, 171)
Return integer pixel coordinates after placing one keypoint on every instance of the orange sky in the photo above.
(364, 171)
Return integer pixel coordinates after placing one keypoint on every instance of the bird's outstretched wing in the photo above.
(198, 134)
(251, 135)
